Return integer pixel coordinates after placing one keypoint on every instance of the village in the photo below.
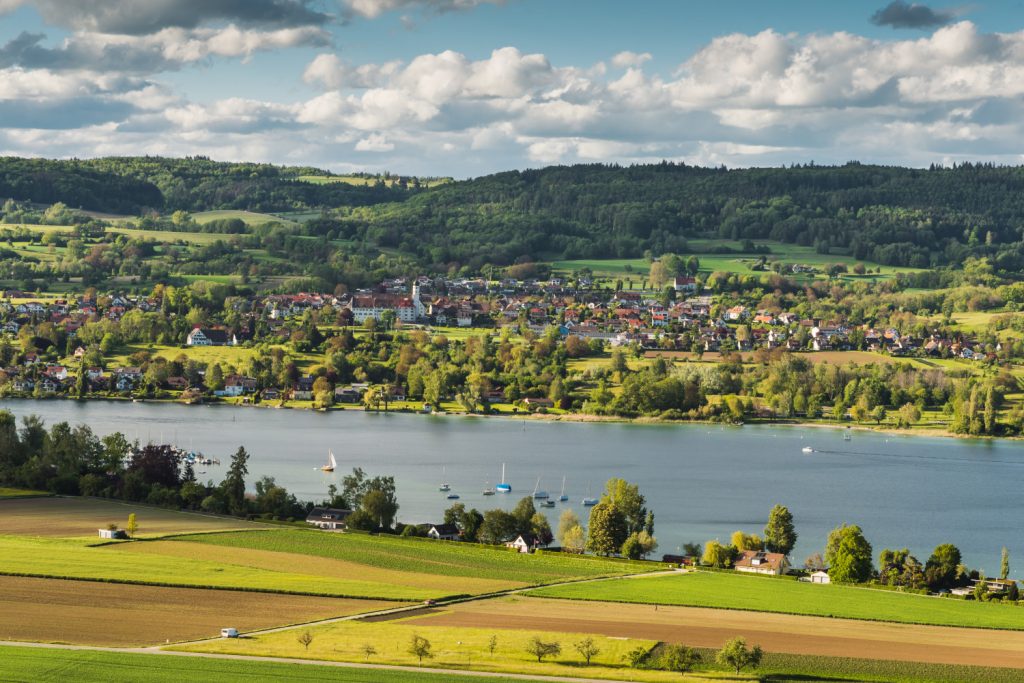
(682, 321)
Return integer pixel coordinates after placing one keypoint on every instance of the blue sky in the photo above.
(465, 87)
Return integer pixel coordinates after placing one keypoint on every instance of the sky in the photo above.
(467, 87)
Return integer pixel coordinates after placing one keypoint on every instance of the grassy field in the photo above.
(6, 492)
(23, 664)
(424, 556)
(456, 648)
(249, 217)
(106, 614)
(366, 180)
(733, 591)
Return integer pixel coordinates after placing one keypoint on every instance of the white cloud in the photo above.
(374, 143)
(372, 9)
(627, 59)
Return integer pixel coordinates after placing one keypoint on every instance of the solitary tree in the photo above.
(680, 658)
(1004, 565)
(848, 555)
(737, 655)
(305, 639)
(587, 649)
(419, 647)
(133, 525)
(233, 485)
(492, 645)
(369, 651)
(540, 649)
(780, 534)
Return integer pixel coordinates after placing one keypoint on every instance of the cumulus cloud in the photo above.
(168, 49)
(627, 59)
(371, 9)
(742, 99)
(901, 14)
(139, 17)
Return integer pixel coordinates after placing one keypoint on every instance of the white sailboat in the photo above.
(445, 486)
(589, 501)
(562, 497)
(331, 462)
(503, 486)
(537, 493)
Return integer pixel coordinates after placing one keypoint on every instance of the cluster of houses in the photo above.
(693, 321)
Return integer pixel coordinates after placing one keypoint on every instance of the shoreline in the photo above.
(579, 418)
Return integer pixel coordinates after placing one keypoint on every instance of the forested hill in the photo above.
(891, 215)
(133, 185)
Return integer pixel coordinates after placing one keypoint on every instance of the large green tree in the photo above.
(780, 533)
(607, 529)
(848, 555)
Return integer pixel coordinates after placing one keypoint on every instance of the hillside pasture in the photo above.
(463, 560)
(250, 218)
(738, 592)
(88, 613)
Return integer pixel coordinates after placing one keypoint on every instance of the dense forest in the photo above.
(889, 215)
(137, 185)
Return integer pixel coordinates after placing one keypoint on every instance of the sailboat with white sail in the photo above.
(562, 497)
(503, 486)
(331, 462)
(445, 486)
(538, 493)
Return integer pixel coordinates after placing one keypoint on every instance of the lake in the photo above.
(702, 482)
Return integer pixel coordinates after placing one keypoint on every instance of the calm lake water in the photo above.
(702, 482)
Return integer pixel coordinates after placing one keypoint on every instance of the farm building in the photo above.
(524, 543)
(330, 519)
(820, 576)
(443, 532)
(761, 562)
(113, 534)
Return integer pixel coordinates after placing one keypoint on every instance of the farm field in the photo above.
(426, 556)
(88, 613)
(68, 517)
(453, 647)
(737, 592)
(833, 357)
(84, 666)
(710, 628)
(6, 492)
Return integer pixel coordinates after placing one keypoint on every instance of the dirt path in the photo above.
(774, 632)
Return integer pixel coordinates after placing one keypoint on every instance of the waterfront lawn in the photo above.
(428, 556)
(84, 666)
(6, 492)
(452, 648)
(785, 595)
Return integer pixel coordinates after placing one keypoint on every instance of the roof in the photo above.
(445, 529)
(320, 514)
(760, 558)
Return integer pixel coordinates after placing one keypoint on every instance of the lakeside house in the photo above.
(443, 532)
(328, 519)
(524, 543)
(761, 562)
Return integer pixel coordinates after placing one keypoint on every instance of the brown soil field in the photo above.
(83, 516)
(701, 627)
(88, 613)
(311, 564)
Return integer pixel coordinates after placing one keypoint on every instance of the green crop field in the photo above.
(84, 666)
(735, 591)
(426, 556)
(6, 492)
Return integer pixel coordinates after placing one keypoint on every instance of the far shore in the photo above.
(558, 417)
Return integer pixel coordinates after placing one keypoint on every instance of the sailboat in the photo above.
(562, 497)
(502, 486)
(846, 434)
(445, 486)
(588, 501)
(331, 462)
(537, 493)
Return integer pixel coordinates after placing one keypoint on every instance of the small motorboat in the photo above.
(590, 502)
(453, 496)
(807, 449)
(488, 490)
(548, 504)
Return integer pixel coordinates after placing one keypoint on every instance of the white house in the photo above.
(443, 532)
(524, 543)
(113, 534)
(761, 562)
(202, 336)
(330, 519)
